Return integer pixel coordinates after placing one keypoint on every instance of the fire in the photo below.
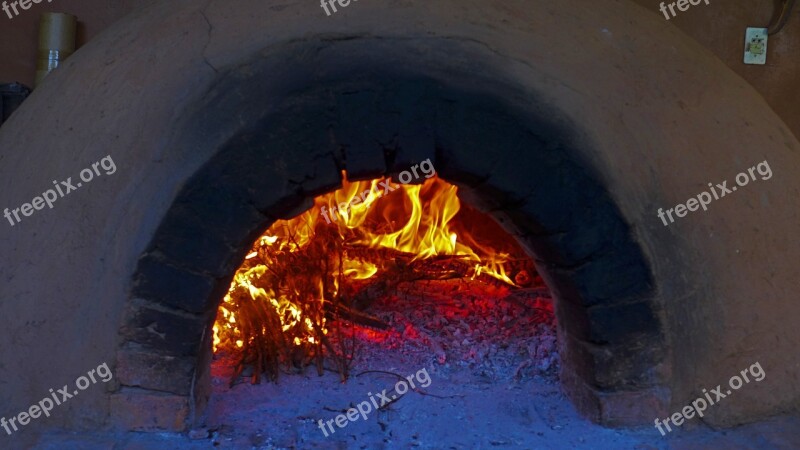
(415, 220)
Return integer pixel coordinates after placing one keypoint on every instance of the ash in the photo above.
(490, 329)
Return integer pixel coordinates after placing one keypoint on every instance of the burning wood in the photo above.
(306, 276)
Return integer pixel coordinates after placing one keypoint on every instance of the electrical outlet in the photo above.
(755, 46)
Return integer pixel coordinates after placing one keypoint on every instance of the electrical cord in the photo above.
(781, 18)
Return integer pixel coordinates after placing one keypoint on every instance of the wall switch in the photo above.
(755, 46)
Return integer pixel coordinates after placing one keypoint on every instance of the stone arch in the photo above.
(519, 165)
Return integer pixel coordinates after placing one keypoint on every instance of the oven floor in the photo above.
(478, 398)
(477, 411)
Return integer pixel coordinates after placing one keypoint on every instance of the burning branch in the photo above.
(305, 278)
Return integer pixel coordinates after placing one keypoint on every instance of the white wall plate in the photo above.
(755, 46)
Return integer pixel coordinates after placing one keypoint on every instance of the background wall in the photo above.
(719, 26)
(19, 36)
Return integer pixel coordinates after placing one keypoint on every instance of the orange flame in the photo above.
(413, 219)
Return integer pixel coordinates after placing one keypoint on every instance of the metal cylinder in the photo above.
(56, 42)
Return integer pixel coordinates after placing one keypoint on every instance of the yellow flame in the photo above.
(420, 215)
(413, 219)
(359, 270)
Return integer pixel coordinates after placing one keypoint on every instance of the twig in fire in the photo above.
(294, 287)
(344, 356)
